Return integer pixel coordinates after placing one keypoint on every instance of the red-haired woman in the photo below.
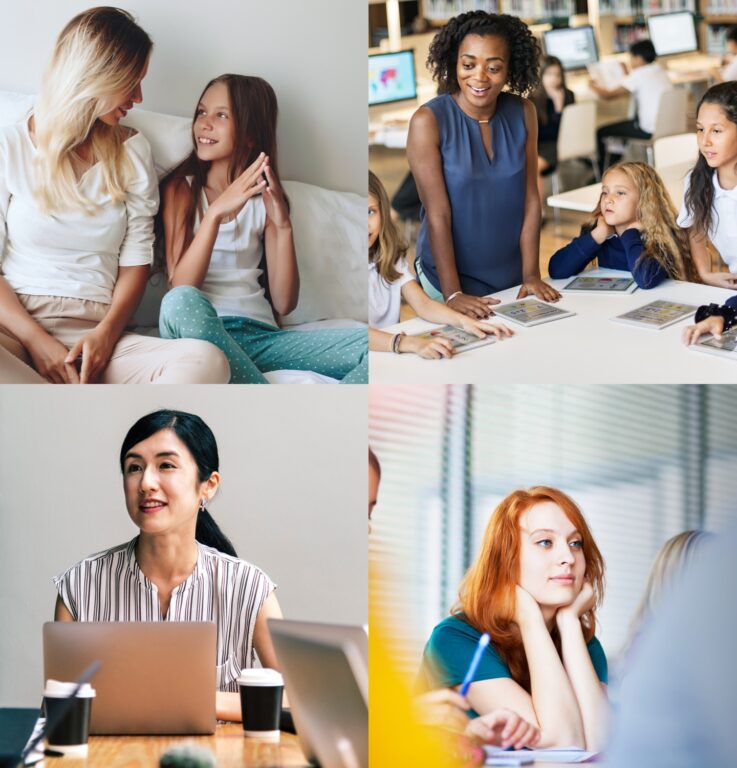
(534, 588)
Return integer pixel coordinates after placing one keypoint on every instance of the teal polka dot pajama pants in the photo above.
(254, 348)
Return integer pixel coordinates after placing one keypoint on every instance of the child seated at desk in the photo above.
(646, 82)
(390, 280)
(728, 70)
(634, 228)
(550, 99)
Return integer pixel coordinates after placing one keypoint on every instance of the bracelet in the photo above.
(395, 343)
(728, 314)
(452, 296)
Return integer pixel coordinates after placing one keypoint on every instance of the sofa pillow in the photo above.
(331, 243)
(170, 137)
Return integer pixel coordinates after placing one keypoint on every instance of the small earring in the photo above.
(203, 505)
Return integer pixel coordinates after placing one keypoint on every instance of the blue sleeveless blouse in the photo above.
(487, 197)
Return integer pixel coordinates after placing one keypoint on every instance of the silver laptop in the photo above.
(325, 668)
(155, 677)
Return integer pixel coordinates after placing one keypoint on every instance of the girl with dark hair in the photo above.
(473, 153)
(549, 100)
(709, 208)
(229, 248)
(181, 566)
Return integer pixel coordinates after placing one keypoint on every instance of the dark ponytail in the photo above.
(201, 444)
(700, 194)
(208, 533)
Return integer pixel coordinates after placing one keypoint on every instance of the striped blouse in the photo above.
(109, 586)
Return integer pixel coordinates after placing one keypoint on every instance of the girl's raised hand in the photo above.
(251, 182)
(713, 325)
(276, 205)
(601, 231)
(584, 601)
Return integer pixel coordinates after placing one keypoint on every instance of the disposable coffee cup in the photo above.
(69, 735)
(261, 693)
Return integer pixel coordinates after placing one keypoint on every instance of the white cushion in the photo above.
(330, 237)
(170, 137)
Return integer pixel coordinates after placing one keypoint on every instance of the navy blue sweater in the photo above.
(617, 252)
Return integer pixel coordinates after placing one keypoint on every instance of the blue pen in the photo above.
(473, 666)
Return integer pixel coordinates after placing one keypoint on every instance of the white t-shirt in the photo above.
(232, 280)
(729, 71)
(723, 234)
(73, 254)
(647, 83)
(385, 299)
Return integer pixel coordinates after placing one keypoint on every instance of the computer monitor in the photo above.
(574, 46)
(391, 77)
(673, 33)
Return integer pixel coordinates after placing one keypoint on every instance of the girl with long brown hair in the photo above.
(633, 228)
(230, 252)
(534, 587)
(390, 281)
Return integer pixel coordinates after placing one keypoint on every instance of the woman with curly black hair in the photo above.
(473, 153)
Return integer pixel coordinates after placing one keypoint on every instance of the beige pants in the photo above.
(135, 360)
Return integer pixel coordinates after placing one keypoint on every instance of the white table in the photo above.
(585, 199)
(586, 349)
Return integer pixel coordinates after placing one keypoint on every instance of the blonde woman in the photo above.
(78, 193)
(672, 560)
(634, 228)
(390, 281)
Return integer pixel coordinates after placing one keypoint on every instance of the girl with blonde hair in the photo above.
(78, 193)
(633, 228)
(672, 560)
(390, 281)
(534, 588)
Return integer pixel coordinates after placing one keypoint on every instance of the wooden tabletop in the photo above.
(228, 744)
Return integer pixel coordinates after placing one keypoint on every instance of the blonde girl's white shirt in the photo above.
(71, 253)
(723, 234)
(110, 586)
(232, 283)
(385, 299)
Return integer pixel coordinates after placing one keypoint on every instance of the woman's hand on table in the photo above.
(713, 325)
(536, 286)
(478, 307)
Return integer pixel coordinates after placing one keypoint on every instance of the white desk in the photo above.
(585, 199)
(586, 349)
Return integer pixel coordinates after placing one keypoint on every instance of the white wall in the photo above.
(292, 498)
(311, 51)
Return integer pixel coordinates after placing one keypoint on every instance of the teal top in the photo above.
(451, 647)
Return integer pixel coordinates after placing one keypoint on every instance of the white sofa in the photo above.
(329, 234)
